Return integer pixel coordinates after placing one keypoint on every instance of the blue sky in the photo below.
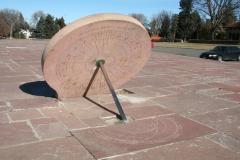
(74, 9)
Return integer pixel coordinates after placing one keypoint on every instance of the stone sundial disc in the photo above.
(69, 60)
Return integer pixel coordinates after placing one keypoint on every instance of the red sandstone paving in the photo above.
(94, 122)
(36, 102)
(17, 79)
(231, 97)
(15, 134)
(141, 111)
(84, 109)
(191, 104)
(234, 82)
(10, 91)
(129, 106)
(190, 86)
(139, 135)
(102, 98)
(3, 118)
(227, 87)
(68, 119)
(226, 121)
(160, 69)
(214, 92)
(147, 92)
(137, 110)
(157, 81)
(64, 148)
(226, 140)
(188, 89)
(3, 107)
(14, 74)
(145, 112)
(25, 114)
(48, 128)
(2, 104)
(42, 121)
(196, 149)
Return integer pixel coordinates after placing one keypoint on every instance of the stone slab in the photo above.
(189, 89)
(139, 135)
(214, 92)
(15, 134)
(17, 79)
(146, 111)
(48, 128)
(2, 104)
(25, 114)
(69, 60)
(227, 87)
(196, 149)
(9, 91)
(231, 97)
(182, 76)
(68, 119)
(226, 141)
(94, 122)
(146, 92)
(3, 118)
(191, 104)
(38, 102)
(4, 109)
(64, 149)
(85, 109)
(226, 121)
(158, 81)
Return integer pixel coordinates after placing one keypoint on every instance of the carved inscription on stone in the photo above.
(69, 59)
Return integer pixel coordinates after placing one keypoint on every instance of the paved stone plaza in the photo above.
(178, 107)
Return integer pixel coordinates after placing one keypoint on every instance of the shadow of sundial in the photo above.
(38, 88)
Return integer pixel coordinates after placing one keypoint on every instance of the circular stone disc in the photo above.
(69, 60)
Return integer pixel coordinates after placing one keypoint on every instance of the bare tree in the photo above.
(174, 26)
(14, 19)
(161, 22)
(4, 27)
(141, 18)
(154, 29)
(215, 10)
(36, 17)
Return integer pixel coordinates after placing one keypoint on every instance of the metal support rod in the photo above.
(100, 64)
(114, 95)
(91, 81)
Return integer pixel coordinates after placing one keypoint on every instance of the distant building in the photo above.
(233, 31)
(155, 38)
(27, 34)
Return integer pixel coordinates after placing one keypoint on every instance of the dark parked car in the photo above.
(222, 53)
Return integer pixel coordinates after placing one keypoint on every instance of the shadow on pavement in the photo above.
(38, 88)
(101, 106)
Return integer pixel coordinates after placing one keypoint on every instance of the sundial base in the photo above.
(100, 65)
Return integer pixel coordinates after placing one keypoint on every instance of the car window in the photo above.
(234, 49)
(225, 49)
(216, 49)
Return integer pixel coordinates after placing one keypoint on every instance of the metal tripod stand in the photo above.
(100, 65)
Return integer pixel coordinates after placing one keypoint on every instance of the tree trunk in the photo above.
(212, 35)
(11, 31)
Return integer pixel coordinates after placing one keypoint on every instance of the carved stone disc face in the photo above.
(69, 60)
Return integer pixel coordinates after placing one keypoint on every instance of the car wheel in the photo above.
(220, 58)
